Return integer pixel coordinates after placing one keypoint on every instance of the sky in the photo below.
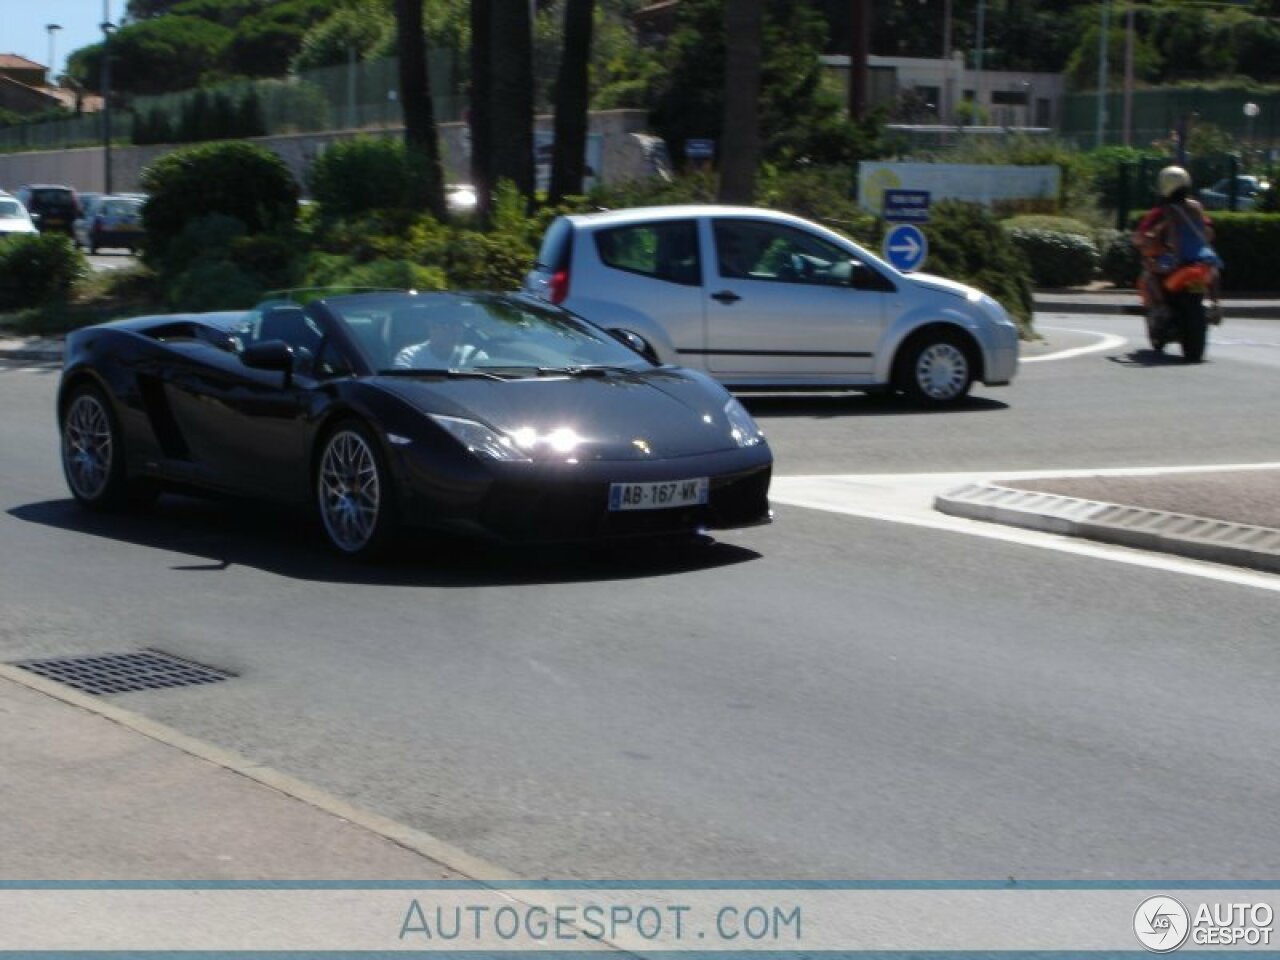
(22, 26)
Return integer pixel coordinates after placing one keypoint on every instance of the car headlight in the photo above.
(480, 439)
(744, 430)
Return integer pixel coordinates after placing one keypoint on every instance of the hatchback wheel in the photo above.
(934, 369)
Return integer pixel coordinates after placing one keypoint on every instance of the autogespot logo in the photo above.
(1161, 924)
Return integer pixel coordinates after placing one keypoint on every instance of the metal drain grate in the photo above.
(123, 672)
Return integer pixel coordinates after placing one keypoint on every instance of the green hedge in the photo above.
(1247, 243)
(1056, 259)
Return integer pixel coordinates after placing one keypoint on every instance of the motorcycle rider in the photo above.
(1175, 233)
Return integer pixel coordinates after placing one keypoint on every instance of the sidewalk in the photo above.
(1223, 515)
(92, 791)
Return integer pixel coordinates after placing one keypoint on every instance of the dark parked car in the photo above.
(53, 207)
(113, 220)
(533, 425)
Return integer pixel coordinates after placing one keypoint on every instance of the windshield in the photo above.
(10, 208)
(495, 333)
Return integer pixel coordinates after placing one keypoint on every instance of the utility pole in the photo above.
(859, 51)
(1128, 75)
(1102, 71)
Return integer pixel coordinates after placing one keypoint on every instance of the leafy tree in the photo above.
(510, 101)
(155, 56)
(801, 120)
(368, 28)
(479, 119)
(415, 99)
(572, 98)
(740, 130)
(265, 44)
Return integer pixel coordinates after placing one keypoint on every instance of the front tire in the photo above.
(934, 369)
(93, 455)
(353, 492)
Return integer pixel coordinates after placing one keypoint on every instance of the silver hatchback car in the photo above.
(761, 299)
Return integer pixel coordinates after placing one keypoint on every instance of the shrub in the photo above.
(1121, 263)
(238, 180)
(1057, 259)
(1040, 221)
(331, 270)
(355, 176)
(38, 270)
(478, 261)
(821, 194)
(213, 284)
(966, 244)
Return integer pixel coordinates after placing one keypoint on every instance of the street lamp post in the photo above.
(53, 28)
(1251, 110)
(107, 29)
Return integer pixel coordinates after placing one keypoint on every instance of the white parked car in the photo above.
(1248, 190)
(14, 217)
(761, 299)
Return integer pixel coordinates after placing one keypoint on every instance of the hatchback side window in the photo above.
(666, 251)
(756, 250)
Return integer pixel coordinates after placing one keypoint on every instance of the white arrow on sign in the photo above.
(907, 246)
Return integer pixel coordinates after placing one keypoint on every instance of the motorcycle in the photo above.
(1185, 319)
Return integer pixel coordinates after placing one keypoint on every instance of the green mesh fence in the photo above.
(351, 96)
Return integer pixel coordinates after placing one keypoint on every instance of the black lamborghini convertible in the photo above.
(488, 414)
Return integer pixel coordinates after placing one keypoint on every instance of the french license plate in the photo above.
(658, 496)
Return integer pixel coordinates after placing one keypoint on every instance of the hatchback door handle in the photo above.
(726, 296)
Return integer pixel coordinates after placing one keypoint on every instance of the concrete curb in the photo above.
(1199, 538)
(1128, 304)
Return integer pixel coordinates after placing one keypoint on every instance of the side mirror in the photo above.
(270, 355)
(36, 218)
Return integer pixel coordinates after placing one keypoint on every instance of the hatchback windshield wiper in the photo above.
(452, 373)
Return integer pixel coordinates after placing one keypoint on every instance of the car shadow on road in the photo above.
(829, 405)
(217, 535)
(1148, 358)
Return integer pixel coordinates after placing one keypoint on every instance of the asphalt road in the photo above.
(828, 697)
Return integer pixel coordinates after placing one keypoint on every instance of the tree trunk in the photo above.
(415, 102)
(568, 164)
(510, 105)
(479, 111)
(740, 136)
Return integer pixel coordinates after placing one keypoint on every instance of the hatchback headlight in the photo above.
(480, 439)
(744, 430)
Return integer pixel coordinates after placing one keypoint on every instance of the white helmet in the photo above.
(1172, 179)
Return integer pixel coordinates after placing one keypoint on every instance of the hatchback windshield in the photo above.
(502, 335)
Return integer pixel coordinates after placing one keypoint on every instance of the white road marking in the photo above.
(1106, 341)
(908, 498)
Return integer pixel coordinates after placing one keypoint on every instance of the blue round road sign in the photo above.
(905, 247)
